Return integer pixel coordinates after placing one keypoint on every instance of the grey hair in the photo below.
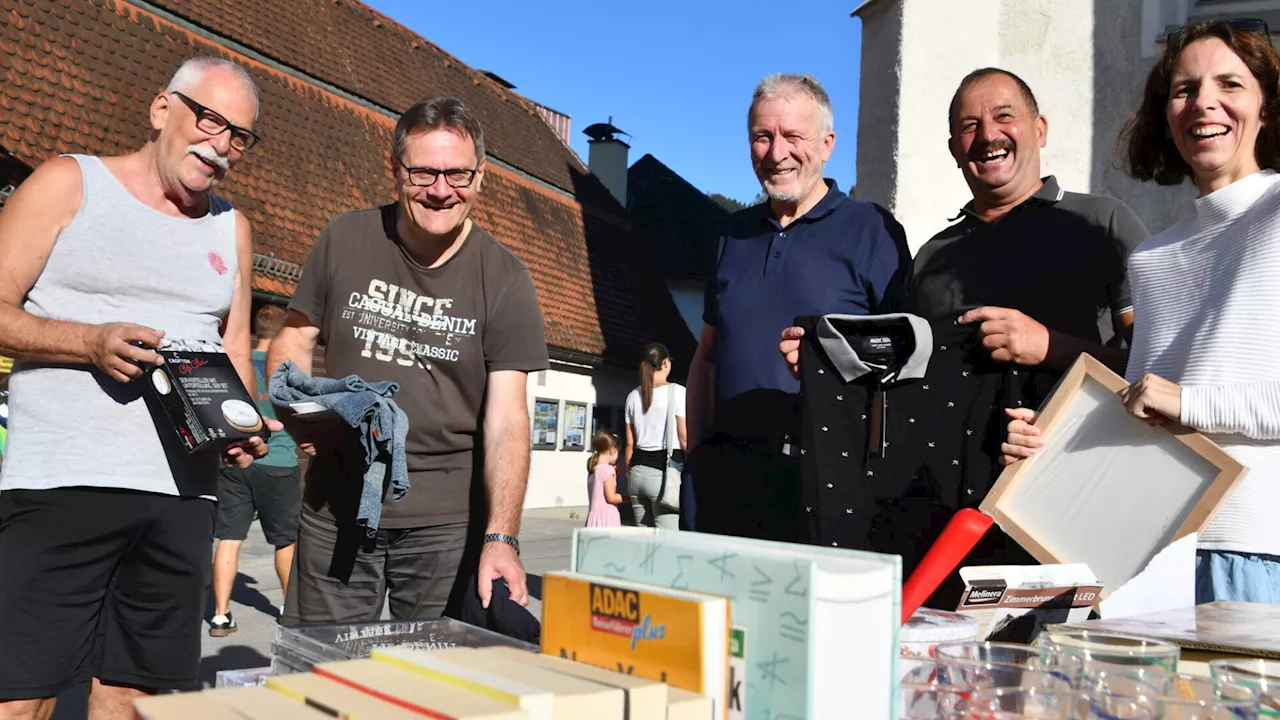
(193, 70)
(787, 84)
(442, 113)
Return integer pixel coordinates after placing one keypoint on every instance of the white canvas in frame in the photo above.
(1108, 490)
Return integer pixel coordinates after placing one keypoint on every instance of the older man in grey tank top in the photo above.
(105, 522)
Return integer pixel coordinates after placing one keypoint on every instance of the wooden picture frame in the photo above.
(1112, 491)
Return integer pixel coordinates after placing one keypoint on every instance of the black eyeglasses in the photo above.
(1250, 25)
(426, 177)
(211, 123)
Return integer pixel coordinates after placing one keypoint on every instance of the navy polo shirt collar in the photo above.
(1048, 194)
(825, 207)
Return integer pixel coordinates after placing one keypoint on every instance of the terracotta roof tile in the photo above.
(353, 47)
(323, 154)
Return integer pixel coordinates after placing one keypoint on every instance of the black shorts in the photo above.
(275, 492)
(101, 583)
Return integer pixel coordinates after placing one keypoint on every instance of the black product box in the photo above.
(202, 397)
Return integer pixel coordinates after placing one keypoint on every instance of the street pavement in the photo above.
(545, 537)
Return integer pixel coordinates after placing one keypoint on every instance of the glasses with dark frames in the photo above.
(426, 177)
(211, 123)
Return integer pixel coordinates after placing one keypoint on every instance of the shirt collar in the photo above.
(1049, 194)
(846, 361)
(825, 206)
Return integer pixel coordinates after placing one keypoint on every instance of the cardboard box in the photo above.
(202, 397)
(313, 412)
(1013, 603)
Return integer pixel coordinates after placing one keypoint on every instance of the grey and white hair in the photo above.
(193, 70)
(779, 84)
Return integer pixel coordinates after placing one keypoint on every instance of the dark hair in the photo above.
(444, 113)
(1149, 152)
(972, 78)
(651, 361)
(268, 321)
(602, 442)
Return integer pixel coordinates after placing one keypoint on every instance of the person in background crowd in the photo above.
(809, 250)
(106, 521)
(416, 293)
(1206, 289)
(649, 437)
(602, 482)
(270, 489)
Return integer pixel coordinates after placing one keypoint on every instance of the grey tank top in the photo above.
(118, 260)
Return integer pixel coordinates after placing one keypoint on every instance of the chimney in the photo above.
(607, 158)
(557, 120)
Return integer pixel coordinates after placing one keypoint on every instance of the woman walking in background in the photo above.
(602, 482)
(650, 437)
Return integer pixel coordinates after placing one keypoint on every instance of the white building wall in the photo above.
(935, 35)
(558, 477)
(1082, 58)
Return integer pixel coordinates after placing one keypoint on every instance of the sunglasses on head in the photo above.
(1249, 25)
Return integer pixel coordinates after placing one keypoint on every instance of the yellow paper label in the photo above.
(644, 634)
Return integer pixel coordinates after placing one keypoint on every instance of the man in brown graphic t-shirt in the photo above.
(415, 293)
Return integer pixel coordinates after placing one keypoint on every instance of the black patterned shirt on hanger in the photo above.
(902, 425)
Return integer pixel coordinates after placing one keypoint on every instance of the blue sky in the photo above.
(675, 74)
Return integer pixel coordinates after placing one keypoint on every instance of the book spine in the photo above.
(385, 697)
(444, 677)
(302, 698)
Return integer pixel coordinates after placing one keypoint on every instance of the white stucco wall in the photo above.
(1121, 73)
(1082, 59)
(558, 478)
(935, 34)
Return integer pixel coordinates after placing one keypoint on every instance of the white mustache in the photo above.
(204, 152)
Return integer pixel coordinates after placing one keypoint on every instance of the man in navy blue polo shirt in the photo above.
(809, 250)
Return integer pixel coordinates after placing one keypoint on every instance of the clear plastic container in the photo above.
(240, 678)
(286, 660)
(311, 644)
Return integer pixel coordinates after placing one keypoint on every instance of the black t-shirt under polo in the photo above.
(1060, 257)
(942, 411)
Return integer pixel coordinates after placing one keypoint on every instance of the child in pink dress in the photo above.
(602, 482)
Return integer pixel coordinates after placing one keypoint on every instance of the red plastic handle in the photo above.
(962, 532)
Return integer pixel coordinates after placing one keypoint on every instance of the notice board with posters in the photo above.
(1108, 489)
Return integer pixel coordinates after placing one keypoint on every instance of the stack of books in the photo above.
(647, 625)
(492, 683)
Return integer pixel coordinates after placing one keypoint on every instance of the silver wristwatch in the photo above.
(504, 539)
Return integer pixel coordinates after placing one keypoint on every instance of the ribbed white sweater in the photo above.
(1206, 296)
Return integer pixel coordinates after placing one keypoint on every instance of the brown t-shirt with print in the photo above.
(437, 332)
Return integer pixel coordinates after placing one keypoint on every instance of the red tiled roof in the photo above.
(78, 75)
(366, 53)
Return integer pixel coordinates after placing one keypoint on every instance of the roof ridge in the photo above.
(670, 170)
(478, 77)
(378, 37)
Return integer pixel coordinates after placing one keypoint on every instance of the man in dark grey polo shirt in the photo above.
(1041, 269)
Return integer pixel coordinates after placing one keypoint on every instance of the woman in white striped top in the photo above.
(1207, 290)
